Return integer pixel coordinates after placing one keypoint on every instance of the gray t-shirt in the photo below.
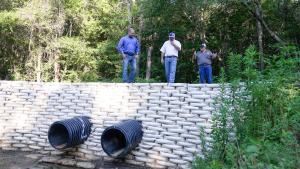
(204, 58)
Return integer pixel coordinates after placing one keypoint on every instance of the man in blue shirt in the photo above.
(129, 48)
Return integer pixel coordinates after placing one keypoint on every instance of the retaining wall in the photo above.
(171, 117)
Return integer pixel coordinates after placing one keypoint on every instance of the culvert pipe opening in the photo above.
(118, 140)
(69, 133)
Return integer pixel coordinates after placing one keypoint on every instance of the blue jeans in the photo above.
(170, 68)
(205, 73)
(126, 61)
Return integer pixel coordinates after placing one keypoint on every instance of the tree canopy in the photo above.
(75, 40)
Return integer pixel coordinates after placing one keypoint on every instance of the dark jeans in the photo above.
(170, 68)
(205, 73)
(126, 61)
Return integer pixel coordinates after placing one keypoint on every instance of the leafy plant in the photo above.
(262, 114)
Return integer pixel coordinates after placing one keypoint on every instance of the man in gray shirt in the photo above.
(204, 60)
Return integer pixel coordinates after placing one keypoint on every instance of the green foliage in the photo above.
(13, 46)
(108, 60)
(31, 29)
(76, 60)
(263, 113)
(247, 63)
(11, 4)
(234, 65)
(80, 36)
(157, 24)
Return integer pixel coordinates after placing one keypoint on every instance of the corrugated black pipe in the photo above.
(118, 140)
(69, 133)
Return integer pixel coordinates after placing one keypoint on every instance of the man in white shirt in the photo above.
(169, 55)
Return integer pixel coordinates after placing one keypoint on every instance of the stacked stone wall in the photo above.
(171, 117)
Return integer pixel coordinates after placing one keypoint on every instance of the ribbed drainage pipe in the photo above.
(69, 133)
(118, 140)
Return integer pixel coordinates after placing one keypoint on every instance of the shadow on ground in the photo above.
(26, 160)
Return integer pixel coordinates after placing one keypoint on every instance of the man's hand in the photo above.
(123, 55)
(176, 47)
(162, 60)
(136, 56)
(214, 55)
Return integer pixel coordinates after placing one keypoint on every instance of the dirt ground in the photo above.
(24, 160)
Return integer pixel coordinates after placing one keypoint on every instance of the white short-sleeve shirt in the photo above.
(169, 50)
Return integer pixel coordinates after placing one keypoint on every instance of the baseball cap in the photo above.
(172, 35)
(203, 45)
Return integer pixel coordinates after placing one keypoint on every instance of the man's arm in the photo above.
(163, 51)
(178, 47)
(120, 47)
(162, 57)
(212, 55)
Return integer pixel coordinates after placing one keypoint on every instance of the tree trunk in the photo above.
(264, 24)
(70, 28)
(129, 10)
(58, 33)
(56, 68)
(258, 13)
(149, 62)
(39, 68)
(273, 34)
(56, 52)
(141, 27)
(223, 51)
(202, 32)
